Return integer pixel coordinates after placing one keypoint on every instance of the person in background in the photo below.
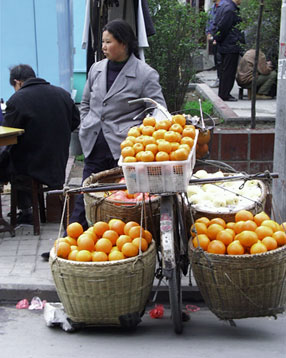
(229, 39)
(210, 33)
(48, 115)
(266, 76)
(106, 115)
(1, 117)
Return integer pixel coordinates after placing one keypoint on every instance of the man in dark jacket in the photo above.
(48, 115)
(229, 38)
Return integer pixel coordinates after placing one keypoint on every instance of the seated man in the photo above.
(266, 76)
(48, 115)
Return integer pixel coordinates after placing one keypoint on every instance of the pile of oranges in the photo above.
(248, 234)
(159, 141)
(103, 241)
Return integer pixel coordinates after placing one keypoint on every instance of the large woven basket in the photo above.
(104, 293)
(241, 286)
(100, 208)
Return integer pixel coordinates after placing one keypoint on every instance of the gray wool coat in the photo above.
(110, 110)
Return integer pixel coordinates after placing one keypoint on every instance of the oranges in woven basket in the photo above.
(167, 140)
(248, 234)
(112, 241)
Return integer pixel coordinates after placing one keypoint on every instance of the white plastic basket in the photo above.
(159, 177)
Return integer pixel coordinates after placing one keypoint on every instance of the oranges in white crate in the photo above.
(152, 141)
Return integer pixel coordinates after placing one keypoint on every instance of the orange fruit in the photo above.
(180, 119)
(164, 146)
(185, 146)
(250, 225)
(159, 134)
(117, 225)
(114, 248)
(85, 242)
(270, 243)
(231, 231)
(152, 147)
(258, 248)
(128, 152)
(216, 247)
(162, 157)
(219, 221)
(188, 140)
(148, 130)
(164, 124)
(116, 255)
(213, 230)
(203, 219)
(134, 132)
(201, 240)
(71, 240)
(138, 156)
(129, 160)
(148, 140)
(176, 127)
(272, 224)
(140, 139)
(263, 231)
(129, 225)
(247, 238)
(149, 121)
(136, 231)
(138, 147)
(235, 248)
(147, 156)
(83, 255)
(189, 132)
(181, 154)
(73, 247)
(131, 138)
(72, 255)
(98, 256)
(104, 245)
(99, 228)
(225, 237)
(230, 225)
(201, 150)
(111, 235)
(174, 146)
(243, 215)
(148, 236)
(129, 249)
(126, 143)
(204, 137)
(280, 237)
(122, 240)
(63, 249)
(90, 232)
(171, 137)
(260, 217)
(198, 228)
(74, 230)
(144, 243)
(239, 226)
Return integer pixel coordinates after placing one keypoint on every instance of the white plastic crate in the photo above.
(159, 177)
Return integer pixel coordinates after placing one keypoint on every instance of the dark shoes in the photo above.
(230, 99)
(45, 256)
(24, 219)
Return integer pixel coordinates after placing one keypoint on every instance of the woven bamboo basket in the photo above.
(99, 208)
(104, 293)
(228, 214)
(241, 286)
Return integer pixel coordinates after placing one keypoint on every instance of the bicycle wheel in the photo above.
(170, 250)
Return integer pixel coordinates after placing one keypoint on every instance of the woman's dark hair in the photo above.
(123, 33)
(21, 73)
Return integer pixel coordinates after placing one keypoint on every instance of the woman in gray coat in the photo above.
(106, 115)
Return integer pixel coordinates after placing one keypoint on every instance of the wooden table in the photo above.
(8, 136)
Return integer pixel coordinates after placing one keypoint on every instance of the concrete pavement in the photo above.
(23, 272)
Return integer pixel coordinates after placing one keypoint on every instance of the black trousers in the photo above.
(227, 74)
(99, 159)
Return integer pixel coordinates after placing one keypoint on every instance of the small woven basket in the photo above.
(241, 286)
(100, 208)
(102, 293)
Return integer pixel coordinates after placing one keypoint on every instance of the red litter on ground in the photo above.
(157, 312)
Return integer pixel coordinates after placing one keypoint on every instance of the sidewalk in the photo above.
(25, 274)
